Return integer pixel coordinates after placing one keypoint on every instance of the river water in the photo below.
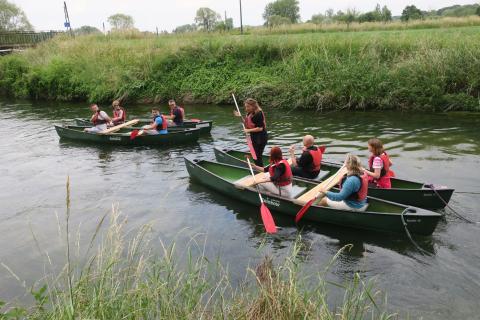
(151, 185)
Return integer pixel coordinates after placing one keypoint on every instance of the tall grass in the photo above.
(417, 69)
(126, 279)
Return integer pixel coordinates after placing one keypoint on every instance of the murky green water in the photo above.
(152, 186)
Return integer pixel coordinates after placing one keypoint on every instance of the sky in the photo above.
(166, 15)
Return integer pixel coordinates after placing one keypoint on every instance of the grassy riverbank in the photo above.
(125, 279)
(415, 69)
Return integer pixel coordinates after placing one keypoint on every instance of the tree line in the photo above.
(276, 13)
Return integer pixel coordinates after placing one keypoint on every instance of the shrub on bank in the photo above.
(433, 69)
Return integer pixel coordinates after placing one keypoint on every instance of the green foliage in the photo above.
(84, 30)
(283, 8)
(185, 28)
(459, 10)
(411, 13)
(478, 11)
(12, 18)
(121, 21)
(428, 69)
(275, 21)
(207, 19)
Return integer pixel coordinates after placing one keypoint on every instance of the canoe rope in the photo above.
(431, 186)
(422, 251)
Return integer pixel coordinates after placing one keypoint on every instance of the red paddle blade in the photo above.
(195, 120)
(304, 210)
(391, 173)
(250, 146)
(133, 134)
(267, 219)
(322, 148)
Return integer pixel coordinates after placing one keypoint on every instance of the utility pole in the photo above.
(157, 31)
(67, 19)
(241, 19)
(104, 33)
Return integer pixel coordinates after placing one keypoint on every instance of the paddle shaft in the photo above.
(247, 135)
(253, 175)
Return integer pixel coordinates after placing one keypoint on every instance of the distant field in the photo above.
(414, 69)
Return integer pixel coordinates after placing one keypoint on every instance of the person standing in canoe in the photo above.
(177, 114)
(255, 125)
(279, 178)
(119, 113)
(100, 119)
(309, 163)
(158, 125)
(353, 190)
(379, 172)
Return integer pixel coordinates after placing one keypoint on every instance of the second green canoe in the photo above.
(403, 191)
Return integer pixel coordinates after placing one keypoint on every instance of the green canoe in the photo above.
(381, 215)
(411, 193)
(204, 126)
(172, 138)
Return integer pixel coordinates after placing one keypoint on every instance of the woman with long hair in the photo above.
(278, 181)
(353, 191)
(255, 125)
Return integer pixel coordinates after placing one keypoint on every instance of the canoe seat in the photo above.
(321, 176)
(297, 191)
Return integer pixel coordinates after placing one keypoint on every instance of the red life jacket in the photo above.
(361, 194)
(384, 180)
(386, 164)
(96, 121)
(116, 114)
(164, 122)
(286, 178)
(317, 156)
(249, 123)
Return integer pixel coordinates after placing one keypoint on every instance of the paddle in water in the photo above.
(264, 211)
(249, 138)
(328, 184)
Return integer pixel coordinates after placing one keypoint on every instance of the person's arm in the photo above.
(120, 116)
(347, 189)
(377, 168)
(257, 119)
(258, 168)
(293, 159)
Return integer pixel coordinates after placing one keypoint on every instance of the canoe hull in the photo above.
(421, 222)
(180, 137)
(204, 126)
(422, 197)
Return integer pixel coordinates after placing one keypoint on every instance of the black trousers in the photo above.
(259, 141)
(299, 172)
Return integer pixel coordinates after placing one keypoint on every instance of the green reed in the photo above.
(414, 69)
(125, 278)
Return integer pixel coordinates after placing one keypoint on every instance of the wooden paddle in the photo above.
(120, 126)
(249, 138)
(264, 211)
(327, 184)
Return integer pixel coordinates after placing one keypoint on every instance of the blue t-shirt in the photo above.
(351, 185)
(158, 122)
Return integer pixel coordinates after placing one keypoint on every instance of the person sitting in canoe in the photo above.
(379, 172)
(158, 125)
(353, 191)
(279, 178)
(119, 113)
(177, 114)
(100, 119)
(308, 165)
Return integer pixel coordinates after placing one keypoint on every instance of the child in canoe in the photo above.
(379, 172)
(279, 178)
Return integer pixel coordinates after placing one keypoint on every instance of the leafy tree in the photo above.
(318, 18)
(83, 30)
(13, 18)
(276, 21)
(224, 25)
(186, 28)
(121, 21)
(329, 13)
(207, 18)
(283, 8)
(386, 14)
(411, 13)
(478, 11)
(350, 16)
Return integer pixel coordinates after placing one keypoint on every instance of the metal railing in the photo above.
(19, 39)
